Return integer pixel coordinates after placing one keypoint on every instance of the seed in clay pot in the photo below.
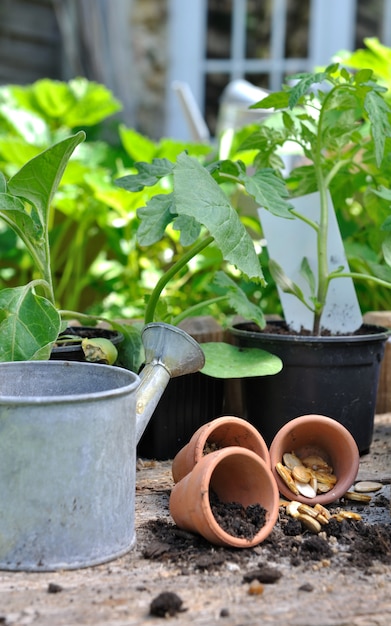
(305, 489)
(309, 476)
(302, 474)
(286, 476)
(316, 463)
(291, 460)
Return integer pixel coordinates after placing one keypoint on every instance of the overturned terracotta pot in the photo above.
(219, 433)
(233, 474)
(317, 435)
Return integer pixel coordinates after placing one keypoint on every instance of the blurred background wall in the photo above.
(139, 47)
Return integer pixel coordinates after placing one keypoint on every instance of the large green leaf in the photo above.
(197, 194)
(222, 360)
(29, 324)
(38, 180)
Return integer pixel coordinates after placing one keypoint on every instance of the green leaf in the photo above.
(92, 103)
(197, 194)
(238, 300)
(378, 113)
(269, 192)
(306, 81)
(276, 100)
(38, 180)
(285, 283)
(29, 325)
(130, 350)
(223, 360)
(14, 213)
(308, 275)
(155, 217)
(139, 147)
(148, 175)
(363, 76)
(28, 125)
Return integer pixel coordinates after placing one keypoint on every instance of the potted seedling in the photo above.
(200, 210)
(338, 124)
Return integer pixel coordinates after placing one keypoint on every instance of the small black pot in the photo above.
(336, 376)
(75, 352)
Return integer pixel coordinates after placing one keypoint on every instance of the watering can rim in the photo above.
(131, 385)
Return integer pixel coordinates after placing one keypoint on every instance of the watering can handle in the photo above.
(169, 352)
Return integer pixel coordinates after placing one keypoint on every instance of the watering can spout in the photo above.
(169, 352)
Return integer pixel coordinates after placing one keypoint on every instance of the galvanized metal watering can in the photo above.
(68, 437)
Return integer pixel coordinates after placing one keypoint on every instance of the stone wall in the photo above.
(150, 56)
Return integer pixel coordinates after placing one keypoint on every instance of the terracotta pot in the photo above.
(234, 474)
(221, 432)
(323, 436)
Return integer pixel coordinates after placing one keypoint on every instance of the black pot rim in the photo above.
(115, 337)
(379, 333)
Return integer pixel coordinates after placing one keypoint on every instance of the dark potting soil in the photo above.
(281, 328)
(347, 544)
(237, 520)
(81, 332)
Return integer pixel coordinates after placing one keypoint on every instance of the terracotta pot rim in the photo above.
(332, 433)
(220, 421)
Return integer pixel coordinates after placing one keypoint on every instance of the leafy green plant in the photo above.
(109, 276)
(201, 212)
(341, 123)
(30, 321)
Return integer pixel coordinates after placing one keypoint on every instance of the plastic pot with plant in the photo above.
(339, 124)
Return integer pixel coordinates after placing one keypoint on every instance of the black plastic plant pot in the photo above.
(73, 351)
(336, 376)
(187, 403)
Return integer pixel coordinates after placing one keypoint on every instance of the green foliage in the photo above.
(199, 209)
(29, 324)
(110, 275)
(340, 122)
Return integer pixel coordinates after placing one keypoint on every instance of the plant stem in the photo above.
(160, 285)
